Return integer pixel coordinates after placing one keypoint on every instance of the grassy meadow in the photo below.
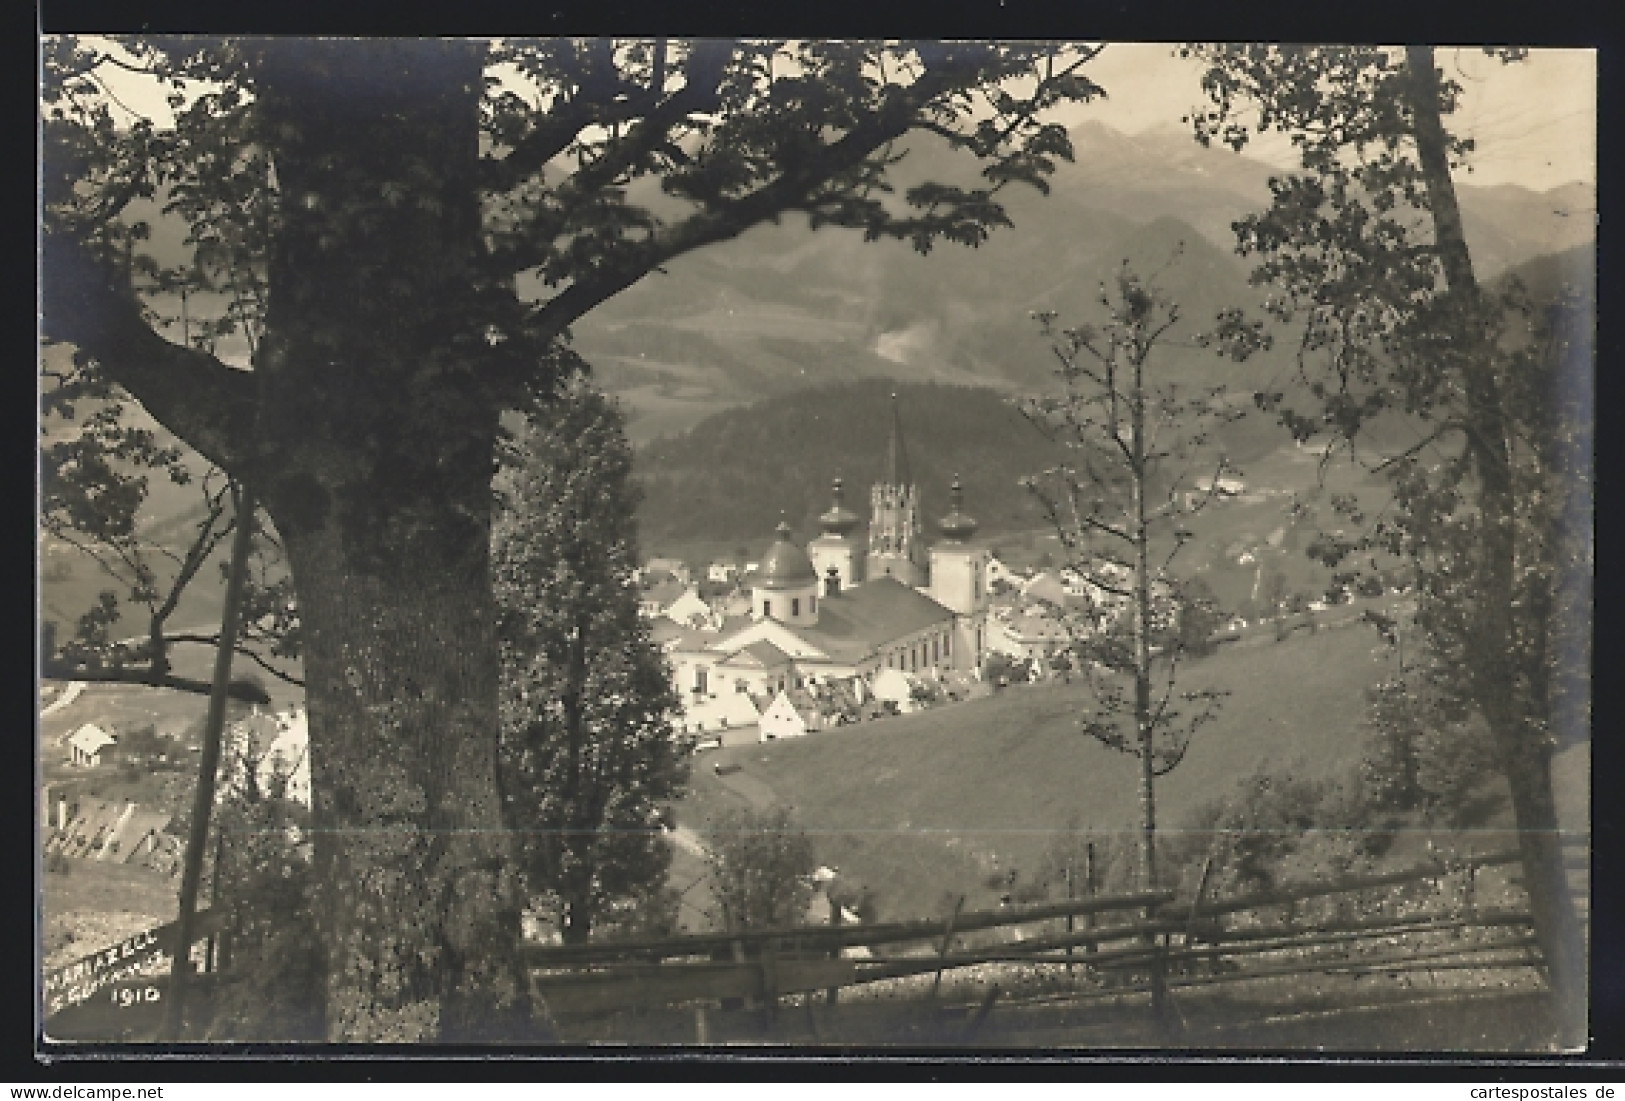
(923, 807)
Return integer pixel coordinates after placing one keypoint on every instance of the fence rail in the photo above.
(1162, 941)
(1165, 935)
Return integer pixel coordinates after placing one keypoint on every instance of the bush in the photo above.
(1273, 829)
(1425, 756)
(761, 868)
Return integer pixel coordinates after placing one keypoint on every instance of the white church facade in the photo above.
(841, 609)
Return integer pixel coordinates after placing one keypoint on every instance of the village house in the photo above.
(676, 567)
(790, 715)
(687, 608)
(85, 745)
(1222, 488)
(659, 594)
(276, 746)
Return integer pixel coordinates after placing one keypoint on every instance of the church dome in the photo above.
(839, 520)
(785, 566)
(956, 526)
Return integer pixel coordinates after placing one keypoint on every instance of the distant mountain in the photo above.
(783, 307)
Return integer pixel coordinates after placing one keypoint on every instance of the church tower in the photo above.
(834, 555)
(896, 548)
(958, 580)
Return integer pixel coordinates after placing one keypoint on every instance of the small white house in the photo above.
(1217, 489)
(897, 687)
(85, 745)
(782, 720)
(687, 607)
(287, 758)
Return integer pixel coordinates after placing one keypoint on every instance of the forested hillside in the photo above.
(728, 478)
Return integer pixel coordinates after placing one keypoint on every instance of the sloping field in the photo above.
(924, 807)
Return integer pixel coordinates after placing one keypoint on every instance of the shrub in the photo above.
(1275, 828)
(761, 866)
(1425, 755)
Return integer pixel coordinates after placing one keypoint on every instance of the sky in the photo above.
(1534, 122)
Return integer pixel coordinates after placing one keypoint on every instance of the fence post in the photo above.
(1159, 977)
(1071, 919)
(738, 947)
(1089, 884)
(947, 941)
(832, 994)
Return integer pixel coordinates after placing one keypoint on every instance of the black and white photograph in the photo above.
(818, 545)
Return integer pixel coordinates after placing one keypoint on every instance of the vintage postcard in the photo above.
(698, 543)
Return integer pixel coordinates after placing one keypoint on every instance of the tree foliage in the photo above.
(761, 867)
(1365, 249)
(590, 758)
(1118, 503)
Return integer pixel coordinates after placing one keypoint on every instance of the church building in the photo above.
(841, 609)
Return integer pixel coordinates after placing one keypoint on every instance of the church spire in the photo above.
(896, 546)
(897, 472)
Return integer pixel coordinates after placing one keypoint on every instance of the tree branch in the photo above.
(237, 690)
(193, 394)
(721, 221)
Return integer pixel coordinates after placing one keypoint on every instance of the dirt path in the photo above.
(754, 791)
(69, 694)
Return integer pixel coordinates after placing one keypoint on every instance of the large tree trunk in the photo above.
(420, 897)
(1523, 754)
(373, 369)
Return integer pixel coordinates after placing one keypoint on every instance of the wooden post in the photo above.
(702, 1031)
(1196, 901)
(212, 957)
(1071, 919)
(947, 942)
(1159, 972)
(1089, 884)
(832, 994)
(203, 798)
(739, 958)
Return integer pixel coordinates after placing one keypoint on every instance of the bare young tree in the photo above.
(1119, 504)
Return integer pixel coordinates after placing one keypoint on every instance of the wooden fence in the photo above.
(1131, 944)
(1128, 944)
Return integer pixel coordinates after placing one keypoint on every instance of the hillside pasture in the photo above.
(922, 808)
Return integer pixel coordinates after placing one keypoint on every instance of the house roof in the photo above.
(854, 622)
(759, 653)
(664, 592)
(90, 738)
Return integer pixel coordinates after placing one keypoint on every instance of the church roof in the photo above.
(760, 653)
(785, 565)
(956, 527)
(856, 621)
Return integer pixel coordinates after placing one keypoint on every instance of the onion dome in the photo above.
(785, 566)
(956, 526)
(838, 521)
